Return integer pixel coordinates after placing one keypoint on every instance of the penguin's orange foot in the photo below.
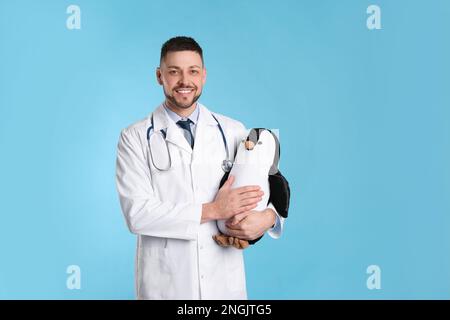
(240, 244)
(222, 240)
(227, 241)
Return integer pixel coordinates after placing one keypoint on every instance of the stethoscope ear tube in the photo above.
(226, 164)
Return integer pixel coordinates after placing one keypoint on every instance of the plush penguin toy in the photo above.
(256, 163)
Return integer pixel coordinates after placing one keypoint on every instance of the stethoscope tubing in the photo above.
(226, 164)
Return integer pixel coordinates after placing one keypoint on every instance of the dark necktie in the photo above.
(186, 125)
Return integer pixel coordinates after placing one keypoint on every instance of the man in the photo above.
(169, 166)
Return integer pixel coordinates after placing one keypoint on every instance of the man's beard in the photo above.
(178, 105)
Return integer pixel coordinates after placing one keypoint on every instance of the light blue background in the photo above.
(364, 123)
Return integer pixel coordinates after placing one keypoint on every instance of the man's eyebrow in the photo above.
(175, 67)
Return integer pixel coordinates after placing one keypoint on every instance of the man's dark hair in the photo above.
(180, 44)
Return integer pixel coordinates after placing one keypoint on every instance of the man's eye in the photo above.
(172, 72)
(194, 71)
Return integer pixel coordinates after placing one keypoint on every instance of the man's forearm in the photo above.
(208, 212)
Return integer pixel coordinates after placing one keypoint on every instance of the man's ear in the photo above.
(158, 75)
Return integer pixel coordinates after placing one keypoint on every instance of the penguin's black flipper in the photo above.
(255, 241)
(280, 196)
(280, 193)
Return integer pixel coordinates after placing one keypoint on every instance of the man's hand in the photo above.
(230, 202)
(253, 224)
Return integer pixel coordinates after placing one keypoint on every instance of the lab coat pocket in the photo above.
(155, 274)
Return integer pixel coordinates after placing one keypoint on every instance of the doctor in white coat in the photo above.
(169, 189)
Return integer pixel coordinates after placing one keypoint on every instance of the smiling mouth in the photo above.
(184, 90)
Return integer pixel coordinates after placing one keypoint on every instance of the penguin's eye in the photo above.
(243, 141)
(259, 142)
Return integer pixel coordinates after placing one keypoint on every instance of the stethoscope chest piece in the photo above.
(227, 165)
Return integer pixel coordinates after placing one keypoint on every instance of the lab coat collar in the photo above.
(175, 117)
(205, 117)
(161, 119)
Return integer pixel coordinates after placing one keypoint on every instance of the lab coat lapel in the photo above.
(205, 117)
(174, 134)
(205, 134)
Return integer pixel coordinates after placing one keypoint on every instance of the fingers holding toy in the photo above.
(238, 218)
(229, 202)
(253, 225)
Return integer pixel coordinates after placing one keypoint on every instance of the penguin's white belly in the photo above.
(251, 167)
(245, 175)
(249, 174)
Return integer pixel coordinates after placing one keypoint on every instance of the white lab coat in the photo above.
(176, 256)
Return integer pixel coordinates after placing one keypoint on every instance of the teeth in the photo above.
(184, 90)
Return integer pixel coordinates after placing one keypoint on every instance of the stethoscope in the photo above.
(227, 164)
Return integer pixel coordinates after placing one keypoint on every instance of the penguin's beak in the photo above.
(249, 145)
(252, 139)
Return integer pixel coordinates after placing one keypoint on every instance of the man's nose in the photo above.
(184, 79)
(183, 83)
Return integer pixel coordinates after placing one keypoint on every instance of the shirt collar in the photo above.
(175, 117)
